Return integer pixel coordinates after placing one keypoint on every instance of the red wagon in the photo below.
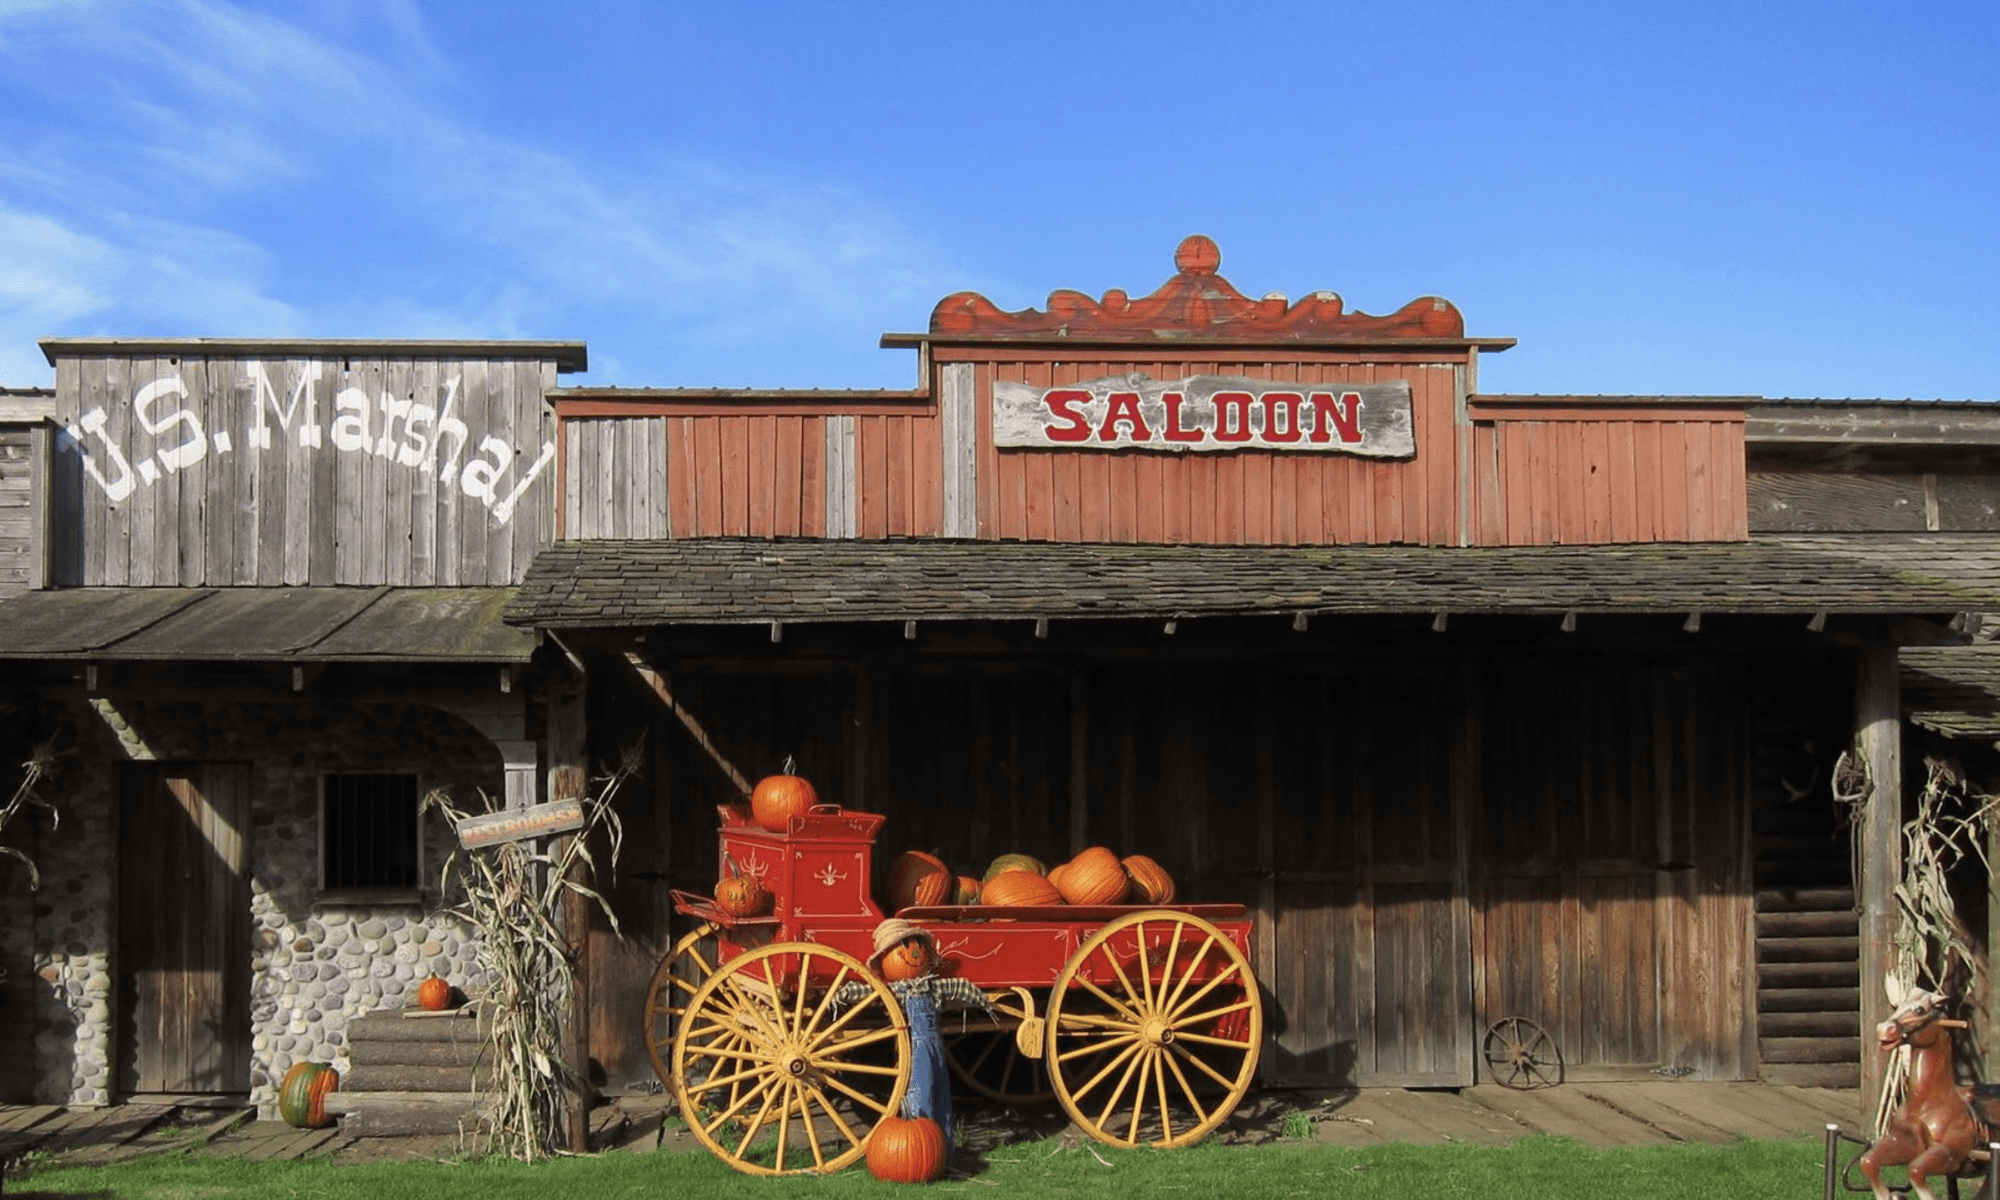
(1142, 1022)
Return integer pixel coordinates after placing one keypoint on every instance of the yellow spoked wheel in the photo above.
(1153, 1030)
(780, 1066)
(679, 976)
(990, 1062)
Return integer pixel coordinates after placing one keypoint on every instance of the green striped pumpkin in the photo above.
(302, 1096)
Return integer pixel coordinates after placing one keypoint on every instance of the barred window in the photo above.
(369, 834)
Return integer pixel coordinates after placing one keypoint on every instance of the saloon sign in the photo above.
(1206, 413)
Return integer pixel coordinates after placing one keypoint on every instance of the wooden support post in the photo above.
(569, 779)
(1878, 740)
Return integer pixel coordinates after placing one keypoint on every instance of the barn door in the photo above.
(184, 929)
(1369, 955)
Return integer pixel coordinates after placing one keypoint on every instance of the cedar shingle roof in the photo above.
(712, 581)
(1953, 689)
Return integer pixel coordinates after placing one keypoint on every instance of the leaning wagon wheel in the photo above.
(775, 1075)
(679, 976)
(990, 1062)
(1521, 1055)
(1153, 1030)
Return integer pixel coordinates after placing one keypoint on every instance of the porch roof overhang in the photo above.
(727, 581)
(249, 624)
(1953, 690)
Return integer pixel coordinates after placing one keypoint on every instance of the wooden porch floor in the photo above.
(1595, 1114)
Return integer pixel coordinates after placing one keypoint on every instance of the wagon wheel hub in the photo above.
(1156, 1031)
(796, 1065)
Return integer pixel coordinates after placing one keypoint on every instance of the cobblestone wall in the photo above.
(314, 964)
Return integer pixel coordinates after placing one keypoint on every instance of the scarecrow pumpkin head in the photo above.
(903, 950)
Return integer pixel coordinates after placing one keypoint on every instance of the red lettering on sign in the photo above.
(1062, 404)
(1345, 411)
(1225, 404)
(1175, 432)
(1289, 403)
(1124, 406)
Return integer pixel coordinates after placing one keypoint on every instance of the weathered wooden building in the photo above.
(1490, 706)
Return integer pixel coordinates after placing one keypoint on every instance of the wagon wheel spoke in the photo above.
(1119, 1045)
(763, 1030)
(1520, 1054)
(679, 976)
(1187, 1089)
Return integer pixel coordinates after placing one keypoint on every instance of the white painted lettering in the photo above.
(481, 476)
(393, 410)
(189, 452)
(93, 426)
(504, 510)
(350, 427)
(264, 394)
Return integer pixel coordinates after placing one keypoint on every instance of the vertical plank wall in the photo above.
(190, 471)
(1550, 473)
(1412, 879)
(1247, 497)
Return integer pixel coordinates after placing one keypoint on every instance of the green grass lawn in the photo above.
(1542, 1168)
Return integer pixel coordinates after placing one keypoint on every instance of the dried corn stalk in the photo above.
(512, 895)
(41, 762)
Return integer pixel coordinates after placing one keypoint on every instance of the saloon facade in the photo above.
(1489, 706)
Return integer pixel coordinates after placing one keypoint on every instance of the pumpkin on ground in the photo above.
(434, 995)
(918, 878)
(778, 798)
(1150, 882)
(1013, 889)
(302, 1095)
(967, 891)
(1014, 862)
(1094, 876)
(907, 1150)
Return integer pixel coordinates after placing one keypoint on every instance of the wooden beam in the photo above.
(569, 779)
(653, 679)
(1692, 624)
(1298, 623)
(1879, 834)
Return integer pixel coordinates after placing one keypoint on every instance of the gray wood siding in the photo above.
(615, 478)
(353, 470)
(21, 448)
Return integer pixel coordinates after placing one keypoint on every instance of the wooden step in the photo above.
(1809, 999)
(403, 1077)
(1809, 1050)
(405, 1113)
(1783, 975)
(1805, 899)
(1839, 922)
(1774, 950)
(1844, 1026)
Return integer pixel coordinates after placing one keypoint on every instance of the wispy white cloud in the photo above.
(199, 167)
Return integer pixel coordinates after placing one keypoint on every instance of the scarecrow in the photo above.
(906, 957)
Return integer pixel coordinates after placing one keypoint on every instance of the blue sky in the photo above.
(1695, 197)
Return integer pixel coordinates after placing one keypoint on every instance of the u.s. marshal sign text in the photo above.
(1207, 412)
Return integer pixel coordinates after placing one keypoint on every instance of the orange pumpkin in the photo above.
(967, 891)
(434, 995)
(907, 1150)
(911, 960)
(1013, 862)
(1150, 882)
(1058, 873)
(1013, 889)
(778, 798)
(918, 878)
(741, 896)
(1094, 876)
(302, 1095)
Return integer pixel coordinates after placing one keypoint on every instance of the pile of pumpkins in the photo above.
(1095, 876)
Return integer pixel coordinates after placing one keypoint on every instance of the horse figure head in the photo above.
(1934, 1130)
(1919, 1021)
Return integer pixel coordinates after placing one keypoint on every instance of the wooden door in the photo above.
(1369, 955)
(183, 964)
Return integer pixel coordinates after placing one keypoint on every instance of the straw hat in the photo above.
(893, 933)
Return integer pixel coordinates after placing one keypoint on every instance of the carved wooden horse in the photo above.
(1935, 1130)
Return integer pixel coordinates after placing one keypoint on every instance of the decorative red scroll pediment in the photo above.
(1196, 303)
